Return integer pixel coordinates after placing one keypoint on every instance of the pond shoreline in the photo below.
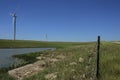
(13, 55)
(33, 68)
(31, 58)
(4, 70)
(22, 47)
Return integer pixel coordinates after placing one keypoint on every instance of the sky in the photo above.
(61, 20)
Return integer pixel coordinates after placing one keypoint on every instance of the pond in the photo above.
(6, 58)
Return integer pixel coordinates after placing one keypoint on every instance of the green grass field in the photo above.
(109, 63)
(109, 60)
(70, 68)
(36, 44)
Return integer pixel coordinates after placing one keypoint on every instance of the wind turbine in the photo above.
(14, 23)
(46, 37)
(13, 14)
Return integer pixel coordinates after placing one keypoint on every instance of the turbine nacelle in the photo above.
(13, 14)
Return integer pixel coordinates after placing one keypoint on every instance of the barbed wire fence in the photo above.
(92, 64)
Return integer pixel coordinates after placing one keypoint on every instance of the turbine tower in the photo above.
(14, 24)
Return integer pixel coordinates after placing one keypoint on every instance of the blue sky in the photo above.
(61, 20)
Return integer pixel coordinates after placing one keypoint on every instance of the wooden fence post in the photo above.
(97, 62)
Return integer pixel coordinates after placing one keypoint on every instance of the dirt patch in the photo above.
(25, 71)
(31, 69)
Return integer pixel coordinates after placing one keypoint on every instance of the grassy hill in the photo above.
(36, 44)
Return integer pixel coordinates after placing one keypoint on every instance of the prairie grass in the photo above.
(110, 61)
(64, 69)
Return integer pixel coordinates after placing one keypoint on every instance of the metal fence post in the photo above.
(97, 66)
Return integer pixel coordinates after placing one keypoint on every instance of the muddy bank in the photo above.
(31, 69)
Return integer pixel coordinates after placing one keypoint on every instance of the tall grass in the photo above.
(110, 61)
(63, 69)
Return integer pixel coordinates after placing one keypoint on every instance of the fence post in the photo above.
(97, 66)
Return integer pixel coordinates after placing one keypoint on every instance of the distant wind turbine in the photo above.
(14, 23)
(46, 37)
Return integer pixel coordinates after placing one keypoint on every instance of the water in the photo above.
(6, 58)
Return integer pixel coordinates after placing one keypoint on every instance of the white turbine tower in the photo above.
(14, 23)
(13, 14)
